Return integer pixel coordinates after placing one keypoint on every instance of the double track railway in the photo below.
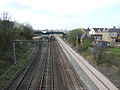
(48, 69)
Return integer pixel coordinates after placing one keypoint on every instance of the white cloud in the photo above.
(52, 13)
(117, 16)
(66, 7)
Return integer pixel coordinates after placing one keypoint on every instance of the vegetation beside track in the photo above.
(71, 36)
(113, 56)
(9, 31)
(107, 62)
(7, 75)
(109, 55)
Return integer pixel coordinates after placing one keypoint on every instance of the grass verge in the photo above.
(113, 55)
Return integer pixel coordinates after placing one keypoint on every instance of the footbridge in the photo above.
(49, 32)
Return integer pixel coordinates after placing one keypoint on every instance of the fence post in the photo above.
(14, 53)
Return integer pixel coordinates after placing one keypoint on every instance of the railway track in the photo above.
(22, 82)
(99, 80)
(35, 84)
(47, 80)
(72, 80)
(49, 70)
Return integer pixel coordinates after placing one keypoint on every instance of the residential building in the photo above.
(111, 35)
(118, 38)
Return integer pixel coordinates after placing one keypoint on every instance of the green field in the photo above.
(113, 55)
(114, 51)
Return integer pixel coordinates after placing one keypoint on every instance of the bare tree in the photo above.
(5, 16)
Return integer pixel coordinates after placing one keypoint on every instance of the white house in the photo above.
(92, 31)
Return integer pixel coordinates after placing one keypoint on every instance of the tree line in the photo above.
(9, 31)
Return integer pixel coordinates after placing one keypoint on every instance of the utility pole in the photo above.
(14, 53)
(14, 50)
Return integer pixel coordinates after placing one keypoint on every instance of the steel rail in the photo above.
(72, 73)
(19, 77)
(88, 68)
(43, 71)
(69, 74)
(52, 66)
(25, 82)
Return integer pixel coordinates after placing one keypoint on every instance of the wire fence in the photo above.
(101, 56)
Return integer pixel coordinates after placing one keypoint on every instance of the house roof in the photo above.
(114, 30)
(101, 29)
(89, 35)
(104, 29)
(83, 35)
(86, 30)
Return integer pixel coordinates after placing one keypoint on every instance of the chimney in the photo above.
(114, 27)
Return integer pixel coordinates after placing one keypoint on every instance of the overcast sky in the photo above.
(63, 14)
